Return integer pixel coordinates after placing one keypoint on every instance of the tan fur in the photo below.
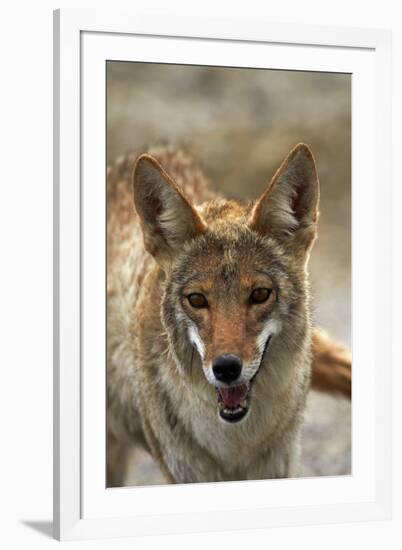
(158, 380)
(332, 365)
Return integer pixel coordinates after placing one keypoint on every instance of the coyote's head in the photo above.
(235, 281)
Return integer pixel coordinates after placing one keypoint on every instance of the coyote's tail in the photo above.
(332, 365)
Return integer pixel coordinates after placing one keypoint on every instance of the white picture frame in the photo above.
(83, 507)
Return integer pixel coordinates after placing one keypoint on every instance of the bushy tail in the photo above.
(332, 365)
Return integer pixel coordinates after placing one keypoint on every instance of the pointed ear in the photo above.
(167, 217)
(288, 209)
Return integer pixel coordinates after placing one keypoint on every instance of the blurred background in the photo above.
(239, 124)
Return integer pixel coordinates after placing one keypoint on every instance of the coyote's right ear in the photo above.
(167, 218)
(288, 209)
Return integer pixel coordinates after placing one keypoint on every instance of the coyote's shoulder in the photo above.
(209, 335)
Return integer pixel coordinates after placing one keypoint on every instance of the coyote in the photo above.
(210, 346)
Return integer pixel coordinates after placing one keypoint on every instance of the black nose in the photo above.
(227, 367)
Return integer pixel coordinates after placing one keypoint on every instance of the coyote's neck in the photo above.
(272, 422)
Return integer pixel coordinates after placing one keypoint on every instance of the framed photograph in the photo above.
(222, 199)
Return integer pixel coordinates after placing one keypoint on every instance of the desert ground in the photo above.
(239, 124)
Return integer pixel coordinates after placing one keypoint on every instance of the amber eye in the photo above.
(260, 295)
(197, 300)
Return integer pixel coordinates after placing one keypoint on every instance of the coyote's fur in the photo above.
(209, 338)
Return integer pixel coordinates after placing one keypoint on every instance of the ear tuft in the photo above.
(290, 204)
(167, 217)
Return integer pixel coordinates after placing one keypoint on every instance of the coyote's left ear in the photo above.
(288, 210)
(167, 217)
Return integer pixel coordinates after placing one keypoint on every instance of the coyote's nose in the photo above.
(227, 367)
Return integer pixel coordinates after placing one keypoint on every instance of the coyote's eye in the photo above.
(260, 295)
(197, 300)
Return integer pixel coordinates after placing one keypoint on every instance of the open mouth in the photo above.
(234, 402)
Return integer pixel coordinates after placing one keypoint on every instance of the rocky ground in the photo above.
(239, 124)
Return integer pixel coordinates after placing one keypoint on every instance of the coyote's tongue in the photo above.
(232, 397)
